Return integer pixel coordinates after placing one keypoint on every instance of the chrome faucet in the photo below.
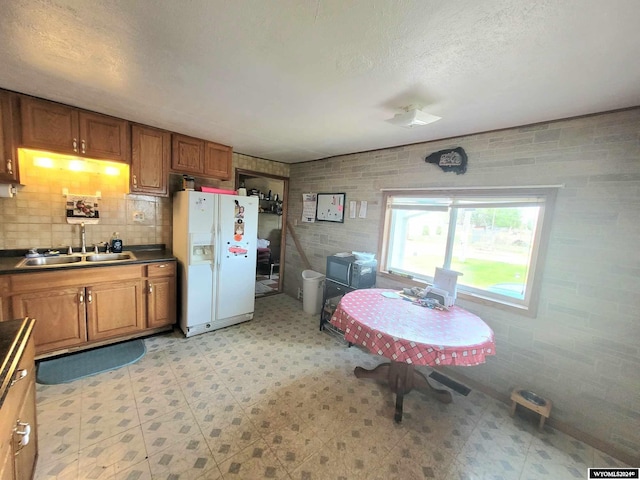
(82, 238)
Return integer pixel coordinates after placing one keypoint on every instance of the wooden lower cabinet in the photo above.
(24, 455)
(5, 304)
(6, 465)
(161, 302)
(161, 294)
(5, 300)
(60, 314)
(114, 309)
(18, 425)
(74, 311)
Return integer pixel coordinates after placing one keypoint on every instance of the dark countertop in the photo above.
(14, 335)
(144, 254)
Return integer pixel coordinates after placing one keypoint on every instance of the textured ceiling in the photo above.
(297, 80)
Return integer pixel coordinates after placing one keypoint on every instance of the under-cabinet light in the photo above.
(74, 164)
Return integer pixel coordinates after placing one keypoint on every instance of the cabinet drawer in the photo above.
(30, 282)
(15, 396)
(164, 269)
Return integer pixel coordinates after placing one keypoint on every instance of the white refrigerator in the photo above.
(215, 242)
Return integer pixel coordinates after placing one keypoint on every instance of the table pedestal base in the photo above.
(402, 378)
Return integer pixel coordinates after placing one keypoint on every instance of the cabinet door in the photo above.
(104, 137)
(150, 154)
(161, 302)
(187, 154)
(49, 126)
(6, 461)
(217, 161)
(114, 309)
(9, 159)
(25, 455)
(5, 301)
(4, 309)
(60, 316)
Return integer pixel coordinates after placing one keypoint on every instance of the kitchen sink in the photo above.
(44, 261)
(109, 257)
(62, 260)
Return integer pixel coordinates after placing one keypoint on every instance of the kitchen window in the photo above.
(495, 237)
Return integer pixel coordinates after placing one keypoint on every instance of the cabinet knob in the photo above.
(26, 428)
(89, 296)
(19, 375)
(75, 145)
(162, 266)
(23, 429)
(151, 288)
(9, 166)
(24, 441)
(83, 146)
(135, 181)
(81, 297)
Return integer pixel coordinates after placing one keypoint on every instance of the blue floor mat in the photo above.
(91, 362)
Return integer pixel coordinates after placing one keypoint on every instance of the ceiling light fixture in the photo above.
(413, 116)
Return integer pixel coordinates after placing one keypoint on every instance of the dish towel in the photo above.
(82, 209)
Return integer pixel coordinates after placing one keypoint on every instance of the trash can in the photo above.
(312, 291)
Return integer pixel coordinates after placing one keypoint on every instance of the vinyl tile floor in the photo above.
(276, 398)
(266, 285)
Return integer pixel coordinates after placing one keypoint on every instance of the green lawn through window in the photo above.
(480, 273)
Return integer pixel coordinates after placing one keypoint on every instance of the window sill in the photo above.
(465, 296)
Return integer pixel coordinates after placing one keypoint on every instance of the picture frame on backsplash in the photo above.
(330, 207)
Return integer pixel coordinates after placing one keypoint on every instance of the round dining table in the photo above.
(409, 334)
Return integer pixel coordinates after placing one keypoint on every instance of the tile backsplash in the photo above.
(36, 216)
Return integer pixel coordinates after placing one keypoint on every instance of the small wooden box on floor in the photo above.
(543, 410)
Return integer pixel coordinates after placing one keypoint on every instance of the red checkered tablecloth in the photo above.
(403, 332)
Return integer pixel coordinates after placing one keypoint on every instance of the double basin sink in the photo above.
(61, 260)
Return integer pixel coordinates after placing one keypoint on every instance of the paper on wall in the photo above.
(309, 201)
(352, 209)
(363, 209)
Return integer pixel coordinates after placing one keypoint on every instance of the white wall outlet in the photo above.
(138, 216)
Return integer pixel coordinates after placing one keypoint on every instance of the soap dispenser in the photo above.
(116, 243)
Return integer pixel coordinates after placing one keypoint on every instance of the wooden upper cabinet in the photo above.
(60, 128)
(49, 126)
(217, 161)
(8, 126)
(150, 157)
(199, 157)
(104, 137)
(187, 155)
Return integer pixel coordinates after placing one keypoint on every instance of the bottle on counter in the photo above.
(116, 243)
